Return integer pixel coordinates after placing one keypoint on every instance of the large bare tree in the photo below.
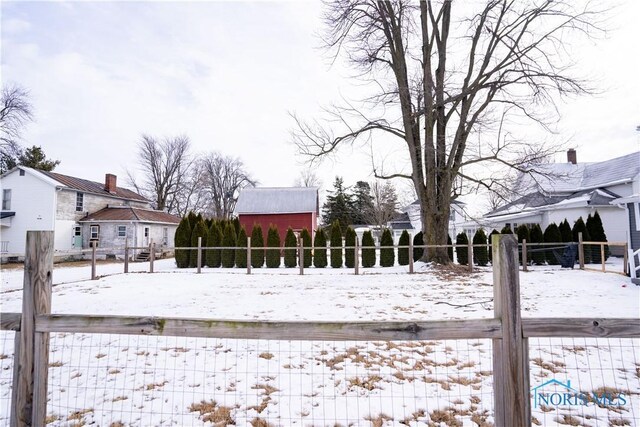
(223, 178)
(442, 72)
(15, 113)
(164, 166)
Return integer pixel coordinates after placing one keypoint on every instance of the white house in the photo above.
(81, 212)
(631, 205)
(410, 220)
(572, 190)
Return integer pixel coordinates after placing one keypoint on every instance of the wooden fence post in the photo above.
(152, 255)
(249, 255)
(93, 260)
(126, 256)
(356, 258)
(510, 353)
(524, 255)
(470, 255)
(199, 254)
(411, 255)
(33, 361)
(602, 256)
(580, 251)
(301, 255)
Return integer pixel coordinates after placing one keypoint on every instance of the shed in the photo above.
(295, 207)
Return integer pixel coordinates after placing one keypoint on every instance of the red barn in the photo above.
(295, 207)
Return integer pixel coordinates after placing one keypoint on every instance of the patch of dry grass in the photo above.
(211, 412)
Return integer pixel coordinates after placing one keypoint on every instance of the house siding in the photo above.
(33, 200)
(66, 207)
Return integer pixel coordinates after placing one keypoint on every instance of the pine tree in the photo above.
(523, 233)
(320, 249)
(417, 251)
(580, 227)
(306, 244)
(349, 251)
(449, 248)
(506, 230)
(229, 241)
(490, 244)
(193, 218)
(336, 245)
(290, 252)
(241, 252)
(182, 239)
(387, 255)
(462, 252)
(403, 253)
(362, 203)
(236, 225)
(480, 256)
(596, 231)
(552, 235)
(200, 230)
(368, 250)
(273, 241)
(214, 241)
(537, 250)
(339, 206)
(257, 241)
(566, 235)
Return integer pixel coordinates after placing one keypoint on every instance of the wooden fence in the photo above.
(507, 330)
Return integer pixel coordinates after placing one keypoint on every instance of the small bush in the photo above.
(417, 251)
(241, 252)
(229, 241)
(257, 241)
(449, 248)
(523, 233)
(480, 256)
(182, 238)
(552, 235)
(320, 249)
(490, 244)
(200, 230)
(290, 252)
(580, 227)
(273, 241)
(307, 253)
(349, 251)
(336, 245)
(462, 252)
(537, 252)
(214, 258)
(597, 234)
(387, 255)
(403, 253)
(565, 232)
(506, 230)
(368, 250)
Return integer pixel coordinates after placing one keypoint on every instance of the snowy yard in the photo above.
(129, 380)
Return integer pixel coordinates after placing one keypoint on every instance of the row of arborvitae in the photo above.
(230, 234)
(537, 254)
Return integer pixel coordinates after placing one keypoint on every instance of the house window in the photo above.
(122, 231)
(21, 172)
(95, 232)
(6, 200)
(77, 231)
(79, 202)
(165, 236)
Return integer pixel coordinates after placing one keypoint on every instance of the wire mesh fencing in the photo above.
(585, 381)
(7, 343)
(123, 380)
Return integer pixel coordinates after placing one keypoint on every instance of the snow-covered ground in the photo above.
(106, 379)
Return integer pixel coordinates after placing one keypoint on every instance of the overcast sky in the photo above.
(228, 73)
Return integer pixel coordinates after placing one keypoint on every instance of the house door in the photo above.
(77, 236)
(146, 236)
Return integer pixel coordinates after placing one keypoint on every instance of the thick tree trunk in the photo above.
(434, 212)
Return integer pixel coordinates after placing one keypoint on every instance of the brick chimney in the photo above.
(110, 183)
(571, 156)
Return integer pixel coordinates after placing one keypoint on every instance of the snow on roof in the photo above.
(569, 178)
(266, 200)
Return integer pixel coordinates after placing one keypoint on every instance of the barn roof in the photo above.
(128, 213)
(274, 200)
